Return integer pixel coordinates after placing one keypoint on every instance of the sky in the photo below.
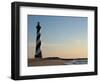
(61, 36)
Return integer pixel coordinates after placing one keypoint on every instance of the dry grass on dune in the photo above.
(55, 61)
(43, 62)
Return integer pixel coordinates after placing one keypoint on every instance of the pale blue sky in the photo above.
(58, 29)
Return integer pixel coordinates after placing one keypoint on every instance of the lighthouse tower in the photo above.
(38, 53)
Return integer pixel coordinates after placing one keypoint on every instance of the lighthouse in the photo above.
(38, 53)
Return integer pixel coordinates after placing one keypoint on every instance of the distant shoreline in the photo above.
(61, 58)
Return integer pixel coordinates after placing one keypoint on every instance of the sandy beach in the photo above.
(56, 61)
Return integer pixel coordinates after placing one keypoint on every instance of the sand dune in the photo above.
(55, 61)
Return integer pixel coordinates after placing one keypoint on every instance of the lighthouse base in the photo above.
(38, 59)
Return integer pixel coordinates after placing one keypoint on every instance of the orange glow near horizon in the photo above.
(75, 49)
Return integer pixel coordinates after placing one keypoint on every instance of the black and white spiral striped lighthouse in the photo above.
(38, 53)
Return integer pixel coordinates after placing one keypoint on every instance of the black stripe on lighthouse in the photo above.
(38, 53)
